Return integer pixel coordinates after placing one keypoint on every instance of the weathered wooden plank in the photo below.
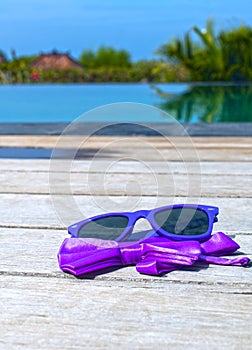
(34, 252)
(150, 184)
(53, 140)
(51, 313)
(186, 149)
(24, 210)
(142, 154)
(126, 166)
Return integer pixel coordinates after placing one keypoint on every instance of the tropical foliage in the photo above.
(201, 55)
(105, 65)
(225, 56)
(16, 70)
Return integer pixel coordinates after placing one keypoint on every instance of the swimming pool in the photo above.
(190, 103)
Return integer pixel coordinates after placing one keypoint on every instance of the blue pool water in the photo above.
(187, 103)
(64, 103)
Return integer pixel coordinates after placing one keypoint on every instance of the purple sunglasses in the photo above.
(178, 222)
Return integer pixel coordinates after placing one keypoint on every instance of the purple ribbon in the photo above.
(155, 255)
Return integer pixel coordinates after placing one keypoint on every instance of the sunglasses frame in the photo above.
(149, 215)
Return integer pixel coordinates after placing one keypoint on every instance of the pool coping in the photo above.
(127, 129)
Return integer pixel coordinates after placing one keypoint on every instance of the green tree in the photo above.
(105, 57)
(87, 59)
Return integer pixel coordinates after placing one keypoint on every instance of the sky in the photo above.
(139, 26)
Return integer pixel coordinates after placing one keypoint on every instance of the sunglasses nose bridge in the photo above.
(142, 214)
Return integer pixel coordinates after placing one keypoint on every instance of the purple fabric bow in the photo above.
(155, 255)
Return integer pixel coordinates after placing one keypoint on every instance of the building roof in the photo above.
(55, 61)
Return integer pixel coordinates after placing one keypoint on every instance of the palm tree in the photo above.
(237, 53)
(203, 59)
(223, 56)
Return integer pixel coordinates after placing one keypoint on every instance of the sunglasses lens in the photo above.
(183, 221)
(109, 227)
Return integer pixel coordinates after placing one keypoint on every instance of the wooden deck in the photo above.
(43, 308)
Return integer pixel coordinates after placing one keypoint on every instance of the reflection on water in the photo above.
(209, 103)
